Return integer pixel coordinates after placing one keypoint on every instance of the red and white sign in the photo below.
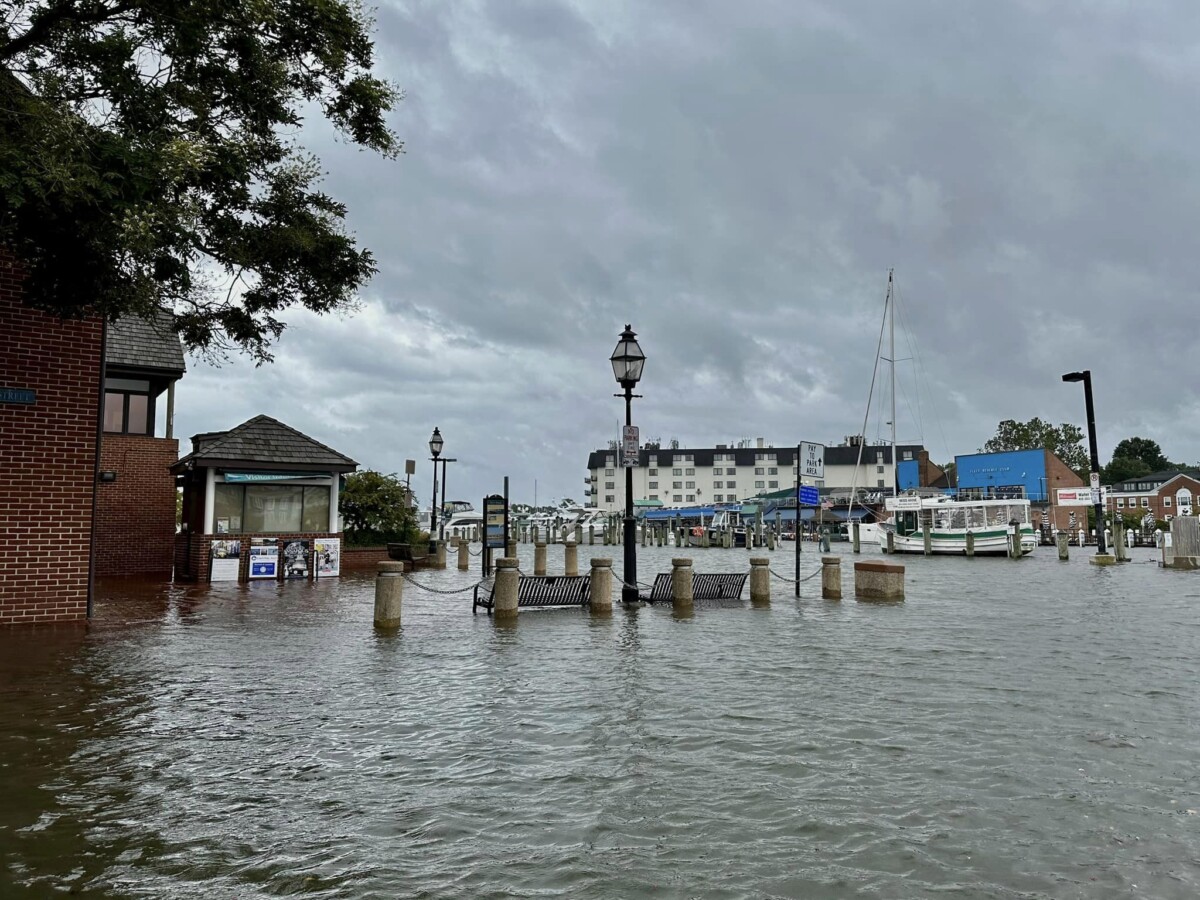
(1080, 497)
(629, 446)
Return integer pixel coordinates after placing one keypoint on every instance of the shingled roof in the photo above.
(145, 344)
(264, 440)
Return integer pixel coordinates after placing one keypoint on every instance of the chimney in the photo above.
(760, 443)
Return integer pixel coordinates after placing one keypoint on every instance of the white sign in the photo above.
(1095, 481)
(1081, 496)
(226, 560)
(902, 504)
(328, 557)
(812, 460)
(629, 446)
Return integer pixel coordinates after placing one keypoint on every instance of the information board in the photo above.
(226, 561)
(264, 558)
(493, 520)
(327, 557)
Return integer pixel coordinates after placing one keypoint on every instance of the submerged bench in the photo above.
(705, 586)
(404, 553)
(540, 590)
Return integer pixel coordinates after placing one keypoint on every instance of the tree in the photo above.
(1123, 468)
(375, 509)
(1064, 441)
(148, 159)
(1142, 449)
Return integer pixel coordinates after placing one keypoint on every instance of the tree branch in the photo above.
(55, 15)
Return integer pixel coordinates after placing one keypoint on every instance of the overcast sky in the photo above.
(735, 180)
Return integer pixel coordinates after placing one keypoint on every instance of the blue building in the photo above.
(1014, 473)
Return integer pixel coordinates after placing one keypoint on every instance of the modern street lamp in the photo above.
(435, 449)
(1086, 377)
(627, 361)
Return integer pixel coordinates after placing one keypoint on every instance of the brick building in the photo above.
(50, 385)
(135, 500)
(260, 480)
(1165, 495)
(1033, 474)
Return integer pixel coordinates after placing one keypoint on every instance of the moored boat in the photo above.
(950, 520)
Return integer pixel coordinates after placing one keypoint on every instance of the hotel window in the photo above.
(654, 485)
(773, 484)
(677, 498)
(609, 485)
(609, 472)
(608, 498)
(691, 485)
(127, 406)
(1166, 502)
(677, 485)
(717, 498)
(759, 484)
(772, 471)
(718, 484)
(731, 471)
(654, 471)
(677, 471)
(690, 472)
(758, 471)
(717, 470)
(731, 484)
(691, 498)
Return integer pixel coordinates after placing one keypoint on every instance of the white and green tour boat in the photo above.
(950, 520)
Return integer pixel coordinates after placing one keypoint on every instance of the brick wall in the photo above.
(47, 459)
(1059, 476)
(135, 515)
(193, 552)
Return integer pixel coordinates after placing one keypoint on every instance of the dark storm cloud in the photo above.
(735, 181)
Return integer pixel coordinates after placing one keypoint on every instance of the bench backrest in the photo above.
(553, 590)
(705, 586)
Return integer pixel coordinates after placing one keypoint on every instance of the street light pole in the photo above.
(1086, 377)
(435, 450)
(627, 361)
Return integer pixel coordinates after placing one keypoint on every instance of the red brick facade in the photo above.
(1058, 475)
(1163, 502)
(135, 515)
(47, 459)
(193, 552)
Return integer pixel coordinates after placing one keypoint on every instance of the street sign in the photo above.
(809, 495)
(629, 446)
(1095, 480)
(812, 460)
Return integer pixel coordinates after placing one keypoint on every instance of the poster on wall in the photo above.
(327, 553)
(226, 562)
(264, 558)
(295, 559)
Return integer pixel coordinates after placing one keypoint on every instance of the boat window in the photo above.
(958, 518)
(976, 517)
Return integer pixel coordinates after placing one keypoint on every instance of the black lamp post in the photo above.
(1086, 377)
(627, 362)
(435, 449)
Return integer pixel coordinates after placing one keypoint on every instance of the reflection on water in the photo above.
(1015, 729)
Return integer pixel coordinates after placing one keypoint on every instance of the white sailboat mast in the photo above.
(892, 352)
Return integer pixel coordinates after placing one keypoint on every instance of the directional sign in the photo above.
(812, 460)
(809, 495)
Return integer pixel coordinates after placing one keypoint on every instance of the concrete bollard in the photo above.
(891, 542)
(854, 532)
(970, 545)
(681, 582)
(539, 558)
(591, 536)
(510, 549)
(534, 535)
(600, 586)
(570, 558)
(878, 580)
(770, 540)
(441, 555)
(760, 580)
(578, 534)
(389, 595)
(831, 578)
(507, 584)
(464, 556)
(1062, 539)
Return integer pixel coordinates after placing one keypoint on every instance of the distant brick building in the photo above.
(1163, 495)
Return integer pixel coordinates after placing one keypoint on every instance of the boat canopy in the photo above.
(683, 512)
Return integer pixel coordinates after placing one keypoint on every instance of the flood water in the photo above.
(1014, 729)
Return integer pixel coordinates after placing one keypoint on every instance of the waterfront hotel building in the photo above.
(726, 474)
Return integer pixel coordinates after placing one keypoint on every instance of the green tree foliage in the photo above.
(1123, 468)
(1142, 449)
(1065, 441)
(375, 510)
(148, 158)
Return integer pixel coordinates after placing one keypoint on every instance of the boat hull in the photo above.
(954, 543)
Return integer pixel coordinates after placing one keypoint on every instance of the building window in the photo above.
(267, 508)
(609, 485)
(1146, 502)
(1166, 503)
(731, 471)
(1120, 503)
(609, 472)
(691, 498)
(731, 484)
(610, 461)
(758, 471)
(718, 484)
(677, 498)
(654, 485)
(654, 471)
(773, 484)
(652, 460)
(654, 496)
(609, 498)
(677, 471)
(878, 456)
(907, 454)
(879, 483)
(127, 406)
(879, 470)
(759, 484)
(717, 498)
(772, 471)
(690, 472)
(691, 485)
